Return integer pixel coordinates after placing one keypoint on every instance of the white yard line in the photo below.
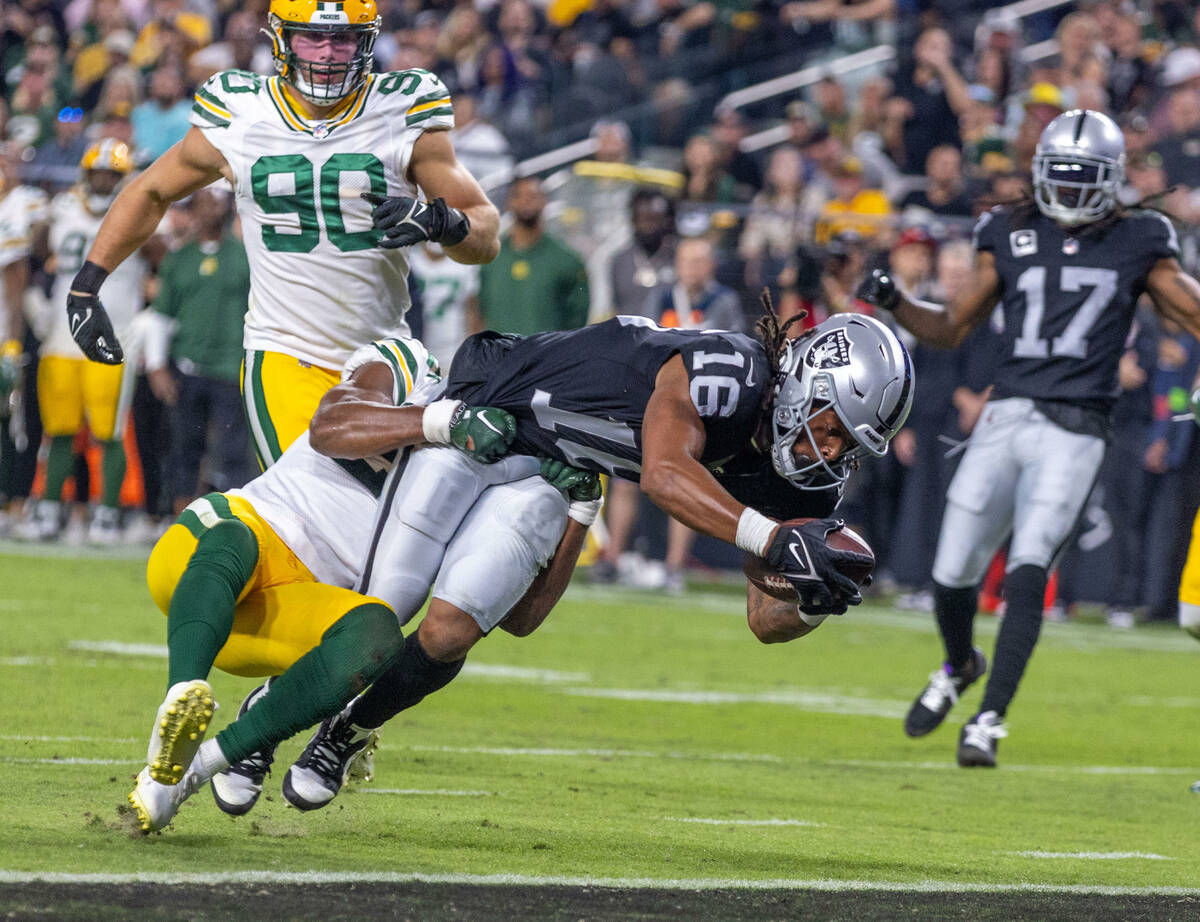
(621, 883)
(65, 739)
(414, 792)
(521, 673)
(1094, 856)
(816, 702)
(714, 821)
(12, 761)
(158, 651)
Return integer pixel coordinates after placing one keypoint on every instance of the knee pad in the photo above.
(1189, 618)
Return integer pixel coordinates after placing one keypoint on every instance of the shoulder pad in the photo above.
(420, 95)
(1159, 231)
(408, 359)
(222, 95)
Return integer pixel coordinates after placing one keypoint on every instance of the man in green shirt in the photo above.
(194, 350)
(537, 283)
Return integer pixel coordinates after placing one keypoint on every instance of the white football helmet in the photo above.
(856, 365)
(1078, 167)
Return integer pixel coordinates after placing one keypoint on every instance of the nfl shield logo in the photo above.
(1070, 246)
(320, 130)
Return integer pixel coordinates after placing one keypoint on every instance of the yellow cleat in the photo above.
(179, 728)
(156, 804)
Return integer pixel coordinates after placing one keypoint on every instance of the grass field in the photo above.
(635, 742)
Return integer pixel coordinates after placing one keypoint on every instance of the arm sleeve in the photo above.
(1161, 237)
(408, 360)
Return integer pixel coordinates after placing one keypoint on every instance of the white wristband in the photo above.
(585, 511)
(435, 421)
(812, 620)
(754, 532)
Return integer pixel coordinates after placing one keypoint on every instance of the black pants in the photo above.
(209, 409)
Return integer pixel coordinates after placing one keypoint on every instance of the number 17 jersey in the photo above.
(319, 284)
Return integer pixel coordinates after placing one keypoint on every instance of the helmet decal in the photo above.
(831, 350)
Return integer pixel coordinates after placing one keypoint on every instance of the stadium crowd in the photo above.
(688, 202)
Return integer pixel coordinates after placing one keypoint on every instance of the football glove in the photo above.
(484, 433)
(88, 320)
(879, 290)
(799, 553)
(404, 220)
(579, 485)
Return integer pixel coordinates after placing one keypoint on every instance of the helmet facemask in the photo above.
(1075, 189)
(323, 83)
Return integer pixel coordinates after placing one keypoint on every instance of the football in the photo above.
(777, 586)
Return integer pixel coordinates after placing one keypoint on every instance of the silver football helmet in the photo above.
(856, 365)
(1078, 167)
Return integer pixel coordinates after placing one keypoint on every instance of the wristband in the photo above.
(754, 532)
(435, 421)
(812, 620)
(89, 278)
(584, 511)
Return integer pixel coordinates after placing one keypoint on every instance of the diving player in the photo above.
(326, 160)
(1067, 267)
(722, 431)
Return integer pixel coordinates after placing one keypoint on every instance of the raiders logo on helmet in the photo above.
(830, 351)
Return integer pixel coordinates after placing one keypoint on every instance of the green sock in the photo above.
(201, 613)
(59, 461)
(351, 655)
(113, 468)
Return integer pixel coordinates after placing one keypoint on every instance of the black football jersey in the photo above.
(580, 395)
(1068, 300)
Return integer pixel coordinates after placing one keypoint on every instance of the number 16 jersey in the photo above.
(319, 284)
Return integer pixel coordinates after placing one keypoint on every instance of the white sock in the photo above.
(1189, 618)
(209, 761)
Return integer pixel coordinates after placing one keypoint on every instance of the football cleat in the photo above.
(44, 522)
(156, 804)
(941, 694)
(236, 790)
(977, 741)
(179, 728)
(316, 777)
(105, 530)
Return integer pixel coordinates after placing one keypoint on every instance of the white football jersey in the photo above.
(72, 229)
(319, 285)
(20, 210)
(322, 508)
(446, 287)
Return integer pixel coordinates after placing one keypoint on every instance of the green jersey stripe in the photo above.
(262, 415)
(430, 97)
(191, 522)
(397, 375)
(209, 97)
(425, 116)
(220, 504)
(209, 117)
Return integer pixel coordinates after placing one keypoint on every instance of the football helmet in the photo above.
(104, 165)
(857, 366)
(1078, 166)
(323, 83)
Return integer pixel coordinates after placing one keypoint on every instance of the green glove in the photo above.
(484, 433)
(579, 485)
(10, 367)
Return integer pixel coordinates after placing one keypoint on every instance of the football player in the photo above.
(728, 434)
(256, 581)
(326, 160)
(72, 390)
(1067, 268)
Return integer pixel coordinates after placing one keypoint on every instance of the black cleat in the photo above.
(316, 777)
(977, 741)
(236, 790)
(941, 694)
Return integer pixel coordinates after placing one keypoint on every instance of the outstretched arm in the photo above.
(436, 170)
(1176, 295)
(775, 621)
(930, 323)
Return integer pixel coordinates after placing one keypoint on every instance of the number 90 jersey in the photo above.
(319, 284)
(1068, 300)
(580, 395)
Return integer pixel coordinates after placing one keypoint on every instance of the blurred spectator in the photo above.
(843, 268)
(983, 141)
(170, 36)
(1040, 106)
(98, 60)
(449, 300)
(944, 192)
(704, 180)
(829, 96)
(696, 301)
(870, 113)
(39, 91)
(55, 165)
(1130, 75)
(930, 96)
(480, 147)
(461, 48)
(853, 207)
(241, 48)
(1180, 149)
(648, 262)
(728, 130)
(778, 220)
(1082, 54)
(194, 353)
(163, 118)
(536, 283)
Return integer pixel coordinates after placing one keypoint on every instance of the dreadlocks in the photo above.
(773, 334)
(1025, 206)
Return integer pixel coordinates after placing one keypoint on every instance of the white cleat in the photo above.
(156, 804)
(105, 530)
(179, 728)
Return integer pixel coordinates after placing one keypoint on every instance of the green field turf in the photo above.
(632, 737)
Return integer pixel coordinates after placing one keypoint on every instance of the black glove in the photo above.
(88, 320)
(579, 485)
(879, 290)
(800, 554)
(404, 221)
(484, 433)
